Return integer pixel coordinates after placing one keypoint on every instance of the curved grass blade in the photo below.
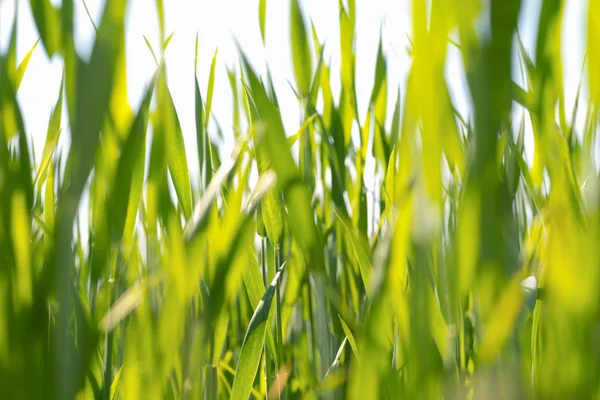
(47, 20)
(294, 138)
(360, 254)
(271, 207)
(151, 50)
(253, 344)
(176, 155)
(349, 336)
(211, 86)
(167, 41)
(255, 288)
(23, 65)
(201, 211)
(52, 135)
(296, 195)
(124, 198)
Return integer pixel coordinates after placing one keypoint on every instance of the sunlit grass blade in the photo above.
(123, 204)
(300, 49)
(253, 344)
(210, 87)
(262, 18)
(296, 195)
(94, 85)
(200, 214)
(52, 136)
(294, 138)
(47, 20)
(23, 65)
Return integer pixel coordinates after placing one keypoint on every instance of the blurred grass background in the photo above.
(408, 249)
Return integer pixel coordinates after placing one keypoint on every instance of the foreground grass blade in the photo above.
(119, 206)
(253, 344)
(47, 20)
(95, 81)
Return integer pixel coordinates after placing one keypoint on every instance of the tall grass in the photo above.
(477, 276)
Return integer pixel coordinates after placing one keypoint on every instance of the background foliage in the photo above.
(472, 273)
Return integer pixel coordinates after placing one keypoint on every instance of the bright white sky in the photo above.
(218, 22)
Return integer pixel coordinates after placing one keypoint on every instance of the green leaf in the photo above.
(47, 20)
(501, 322)
(360, 253)
(272, 213)
(200, 215)
(292, 139)
(211, 86)
(52, 135)
(176, 155)
(93, 91)
(253, 344)
(347, 46)
(252, 278)
(271, 207)
(123, 201)
(167, 41)
(380, 80)
(255, 289)
(160, 9)
(11, 56)
(316, 82)
(23, 65)
(271, 136)
(350, 336)
(49, 207)
(593, 49)
(128, 302)
(200, 132)
(262, 17)
(151, 50)
(300, 49)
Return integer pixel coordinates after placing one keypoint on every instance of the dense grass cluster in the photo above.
(469, 272)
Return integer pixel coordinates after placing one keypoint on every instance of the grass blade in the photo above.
(253, 344)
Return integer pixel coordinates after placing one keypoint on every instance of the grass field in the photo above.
(469, 271)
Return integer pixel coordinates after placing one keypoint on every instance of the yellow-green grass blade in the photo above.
(23, 65)
(296, 195)
(94, 86)
(262, 18)
(175, 146)
(252, 345)
(302, 56)
(210, 88)
(593, 49)
(124, 198)
(52, 136)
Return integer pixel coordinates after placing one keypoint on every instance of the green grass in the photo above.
(432, 298)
